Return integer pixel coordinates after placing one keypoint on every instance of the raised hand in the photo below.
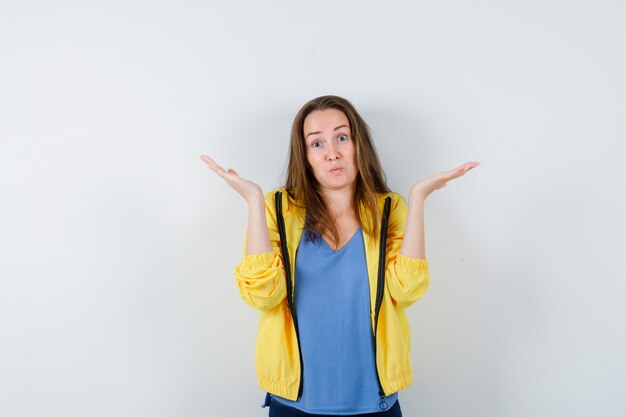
(423, 188)
(246, 188)
(413, 244)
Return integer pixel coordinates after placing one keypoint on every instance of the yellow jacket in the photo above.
(261, 279)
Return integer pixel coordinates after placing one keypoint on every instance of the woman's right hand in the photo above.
(246, 188)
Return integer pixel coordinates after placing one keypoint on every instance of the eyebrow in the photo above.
(318, 132)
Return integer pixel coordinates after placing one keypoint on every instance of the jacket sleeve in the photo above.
(261, 277)
(407, 278)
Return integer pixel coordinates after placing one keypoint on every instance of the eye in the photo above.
(342, 138)
(316, 144)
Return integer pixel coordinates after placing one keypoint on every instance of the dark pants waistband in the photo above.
(281, 410)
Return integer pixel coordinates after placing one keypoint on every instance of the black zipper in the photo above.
(290, 296)
(380, 289)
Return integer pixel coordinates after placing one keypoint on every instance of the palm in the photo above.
(428, 185)
(246, 188)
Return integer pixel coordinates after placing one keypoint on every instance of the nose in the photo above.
(333, 154)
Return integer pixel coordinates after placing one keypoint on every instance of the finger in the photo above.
(453, 173)
(210, 162)
(460, 170)
(465, 167)
(232, 171)
(206, 158)
(214, 166)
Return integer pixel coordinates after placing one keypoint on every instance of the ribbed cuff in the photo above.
(412, 264)
(259, 259)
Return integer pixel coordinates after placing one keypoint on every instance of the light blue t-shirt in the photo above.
(332, 300)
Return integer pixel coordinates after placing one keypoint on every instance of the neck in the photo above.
(339, 202)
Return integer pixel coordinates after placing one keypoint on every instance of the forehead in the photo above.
(324, 120)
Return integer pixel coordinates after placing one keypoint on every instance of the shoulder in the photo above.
(396, 200)
(288, 203)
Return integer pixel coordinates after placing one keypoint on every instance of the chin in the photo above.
(339, 185)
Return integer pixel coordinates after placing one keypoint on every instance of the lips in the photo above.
(335, 170)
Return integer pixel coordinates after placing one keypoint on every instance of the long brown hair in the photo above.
(304, 188)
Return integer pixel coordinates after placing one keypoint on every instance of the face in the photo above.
(330, 149)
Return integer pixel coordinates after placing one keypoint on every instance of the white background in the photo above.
(117, 243)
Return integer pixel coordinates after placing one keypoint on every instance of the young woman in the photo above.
(332, 260)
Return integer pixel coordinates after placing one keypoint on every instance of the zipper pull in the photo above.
(383, 403)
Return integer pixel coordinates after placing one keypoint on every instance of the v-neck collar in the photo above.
(358, 229)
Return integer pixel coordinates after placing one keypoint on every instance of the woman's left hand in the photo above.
(423, 188)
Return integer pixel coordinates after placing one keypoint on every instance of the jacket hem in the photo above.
(289, 392)
(399, 383)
